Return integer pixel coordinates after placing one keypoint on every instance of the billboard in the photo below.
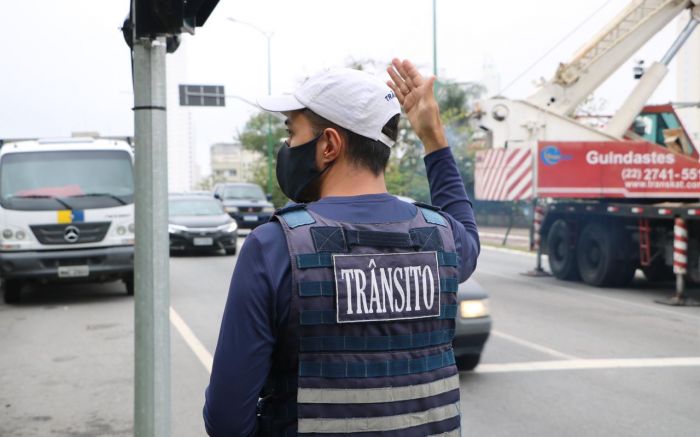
(622, 169)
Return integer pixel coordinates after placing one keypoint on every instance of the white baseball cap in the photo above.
(352, 99)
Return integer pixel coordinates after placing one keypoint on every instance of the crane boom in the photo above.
(596, 61)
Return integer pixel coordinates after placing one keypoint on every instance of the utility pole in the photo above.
(149, 29)
(435, 68)
(152, 300)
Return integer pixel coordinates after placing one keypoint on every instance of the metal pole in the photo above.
(269, 118)
(152, 327)
(435, 37)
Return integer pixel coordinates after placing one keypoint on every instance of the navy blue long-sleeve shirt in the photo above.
(260, 291)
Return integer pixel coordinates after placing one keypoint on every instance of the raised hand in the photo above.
(416, 95)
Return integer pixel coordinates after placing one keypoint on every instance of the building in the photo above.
(688, 83)
(182, 164)
(231, 162)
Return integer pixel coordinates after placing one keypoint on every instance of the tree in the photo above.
(405, 173)
(254, 137)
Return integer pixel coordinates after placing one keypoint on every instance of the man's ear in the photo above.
(333, 147)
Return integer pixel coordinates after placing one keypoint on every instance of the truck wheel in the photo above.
(596, 255)
(625, 274)
(562, 251)
(12, 290)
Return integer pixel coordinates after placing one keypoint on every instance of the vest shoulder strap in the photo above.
(295, 215)
(431, 214)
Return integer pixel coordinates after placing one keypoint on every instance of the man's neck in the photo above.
(346, 180)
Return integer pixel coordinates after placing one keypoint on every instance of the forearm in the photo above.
(447, 191)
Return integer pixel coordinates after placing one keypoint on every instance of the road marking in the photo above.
(535, 346)
(192, 341)
(592, 364)
(560, 285)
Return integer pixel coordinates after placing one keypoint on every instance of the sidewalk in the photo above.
(518, 238)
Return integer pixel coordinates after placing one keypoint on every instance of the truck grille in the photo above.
(71, 233)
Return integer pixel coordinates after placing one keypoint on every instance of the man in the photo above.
(340, 314)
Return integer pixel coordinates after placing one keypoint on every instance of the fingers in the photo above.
(397, 92)
(412, 73)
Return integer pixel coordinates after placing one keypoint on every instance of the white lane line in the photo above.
(560, 285)
(535, 346)
(192, 341)
(615, 363)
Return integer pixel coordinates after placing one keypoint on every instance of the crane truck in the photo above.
(612, 195)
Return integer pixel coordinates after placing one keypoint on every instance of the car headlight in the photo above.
(268, 209)
(229, 227)
(131, 228)
(471, 309)
(231, 208)
(121, 230)
(7, 234)
(175, 229)
(20, 235)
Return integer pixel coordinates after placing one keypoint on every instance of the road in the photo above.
(563, 358)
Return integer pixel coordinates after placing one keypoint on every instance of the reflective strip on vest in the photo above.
(378, 424)
(376, 395)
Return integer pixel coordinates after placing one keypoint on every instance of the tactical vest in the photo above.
(368, 347)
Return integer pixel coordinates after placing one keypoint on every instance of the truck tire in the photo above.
(595, 252)
(561, 248)
(12, 290)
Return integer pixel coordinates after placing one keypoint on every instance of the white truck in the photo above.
(66, 212)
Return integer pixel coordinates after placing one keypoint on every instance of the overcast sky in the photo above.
(66, 67)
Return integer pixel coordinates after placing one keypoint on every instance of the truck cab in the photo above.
(66, 212)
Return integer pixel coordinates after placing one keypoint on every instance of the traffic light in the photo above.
(169, 17)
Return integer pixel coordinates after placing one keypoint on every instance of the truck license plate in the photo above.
(73, 271)
(250, 218)
(203, 241)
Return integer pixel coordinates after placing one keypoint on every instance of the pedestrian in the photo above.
(340, 313)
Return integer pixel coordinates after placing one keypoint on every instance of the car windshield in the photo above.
(41, 175)
(252, 192)
(191, 207)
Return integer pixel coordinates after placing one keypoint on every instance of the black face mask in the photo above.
(297, 173)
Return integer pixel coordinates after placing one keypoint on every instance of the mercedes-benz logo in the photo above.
(71, 234)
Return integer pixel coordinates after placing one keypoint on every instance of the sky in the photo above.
(66, 66)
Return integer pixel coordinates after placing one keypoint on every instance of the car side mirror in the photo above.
(216, 196)
(269, 197)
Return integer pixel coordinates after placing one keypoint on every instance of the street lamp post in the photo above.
(267, 35)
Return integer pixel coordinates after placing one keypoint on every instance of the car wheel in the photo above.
(129, 282)
(12, 290)
(467, 362)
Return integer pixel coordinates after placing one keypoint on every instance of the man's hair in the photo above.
(361, 151)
